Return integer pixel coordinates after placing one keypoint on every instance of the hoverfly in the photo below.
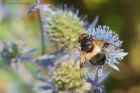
(91, 51)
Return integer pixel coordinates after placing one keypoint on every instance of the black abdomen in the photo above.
(98, 59)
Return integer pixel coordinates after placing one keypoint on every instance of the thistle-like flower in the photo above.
(62, 25)
(113, 52)
(107, 35)
(66, 78)
(106, 50)
(10, 51)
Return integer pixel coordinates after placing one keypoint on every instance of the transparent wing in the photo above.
(87, 70)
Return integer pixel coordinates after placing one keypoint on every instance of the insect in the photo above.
(91, 51)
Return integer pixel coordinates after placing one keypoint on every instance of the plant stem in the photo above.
(95, 81)
(42, 33)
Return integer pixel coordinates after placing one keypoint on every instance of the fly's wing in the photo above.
(94, 72)
(87, 70)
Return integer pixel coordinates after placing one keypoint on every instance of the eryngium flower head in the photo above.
(13, 52)
(105, 34)
(113, 52)
(63, 26)
(67, 78)
(9, 52)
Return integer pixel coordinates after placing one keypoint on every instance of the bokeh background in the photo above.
(122, 16)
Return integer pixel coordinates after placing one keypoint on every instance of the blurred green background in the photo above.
(122, 16)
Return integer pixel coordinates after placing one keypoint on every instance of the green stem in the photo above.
(42, 33)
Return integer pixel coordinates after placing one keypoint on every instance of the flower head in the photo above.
(12, 51)
(107, 35)
(62, 25)
(9, 52)
(113, 52)
(67, 78)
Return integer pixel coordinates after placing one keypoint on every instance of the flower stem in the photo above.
(95, 81)
(41, 31)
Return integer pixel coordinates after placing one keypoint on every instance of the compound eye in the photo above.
(85, 42)
(82, 36)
